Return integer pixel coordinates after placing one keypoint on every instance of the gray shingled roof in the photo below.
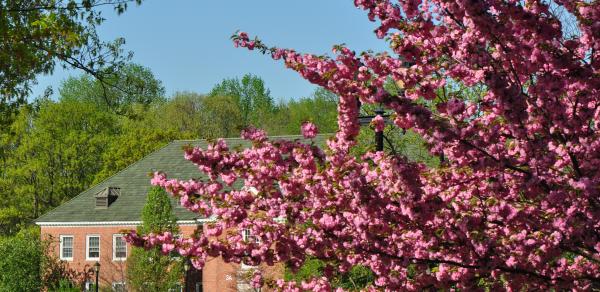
(134, 182)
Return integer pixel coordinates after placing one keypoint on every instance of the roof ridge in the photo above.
(238, 138)
(106, 179)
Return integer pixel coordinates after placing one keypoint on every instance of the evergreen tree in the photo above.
(150, 270)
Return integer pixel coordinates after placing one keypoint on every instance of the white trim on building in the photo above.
(118, 223)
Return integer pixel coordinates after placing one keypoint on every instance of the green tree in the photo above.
(221, 117)
(320, 108)
(252, 96)
(180, 113)
(36, 34)
(10, 219)
(150, 270)
(57, 150)
(133, 85)
(133, 143)
(198, 116)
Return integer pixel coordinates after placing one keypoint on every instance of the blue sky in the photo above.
(186, 43)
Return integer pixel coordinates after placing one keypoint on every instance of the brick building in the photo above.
(85, 230)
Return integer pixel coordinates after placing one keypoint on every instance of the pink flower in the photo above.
(257, 280)
(254, 134)
(378, 123)
(511, 104)
(309, 130)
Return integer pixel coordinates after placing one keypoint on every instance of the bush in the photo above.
(20, 263)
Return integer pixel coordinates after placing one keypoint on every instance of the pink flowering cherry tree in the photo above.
(515, 205)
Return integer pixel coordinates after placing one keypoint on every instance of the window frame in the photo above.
(61, 246)
(87, 247)
(248, 237)
(114, 248)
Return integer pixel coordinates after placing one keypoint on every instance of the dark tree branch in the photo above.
(72, 7)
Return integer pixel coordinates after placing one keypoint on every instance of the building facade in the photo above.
(87, 229)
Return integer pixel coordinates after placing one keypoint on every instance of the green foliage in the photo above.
(10, 219)
(51, 150)
(65, 286)
(404, 143)
(20, 262)
(357, 278)
(150, 270)
(56, 152)
(135, 140)
(320, 108)
(310, 269)
(132, 85)
(252, 97)
(157, 215)
(221, 117)
(28, 265)
(36, 34)
(182, 113)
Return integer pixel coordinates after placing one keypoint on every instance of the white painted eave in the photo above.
(116, 223)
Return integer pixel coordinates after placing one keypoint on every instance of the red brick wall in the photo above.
(217, 275)
(110, 270)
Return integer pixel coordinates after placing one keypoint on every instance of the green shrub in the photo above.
(20, 263)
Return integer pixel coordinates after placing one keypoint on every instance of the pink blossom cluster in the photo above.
(378, 123)
(309, 130)
(516, 203)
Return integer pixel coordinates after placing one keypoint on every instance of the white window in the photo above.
(248, 237)
(66, 247)
(119, 248)
(93, 248)
(119, 287)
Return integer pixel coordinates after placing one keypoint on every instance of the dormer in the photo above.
(106, 197)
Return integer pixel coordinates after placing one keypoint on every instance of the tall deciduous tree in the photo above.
(515, 205)
(57, 150)
(319, 108)
(252, 97)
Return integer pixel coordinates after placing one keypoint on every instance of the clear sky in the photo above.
(186, 42)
